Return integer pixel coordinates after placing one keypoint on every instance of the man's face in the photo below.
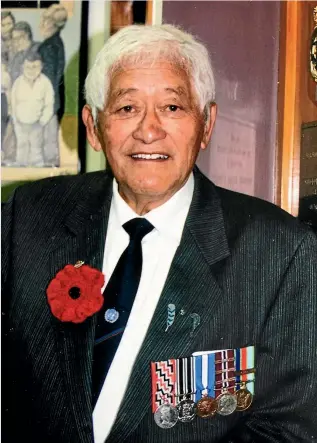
(6, 28)
(32, 70)
(151, 130)
(21, 41)
(47, 25)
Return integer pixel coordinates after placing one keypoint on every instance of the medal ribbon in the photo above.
(225, 368)
(163, 383)
(245, 360)
(204, 369)
(184, 379)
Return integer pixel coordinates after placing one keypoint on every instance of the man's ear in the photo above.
(91, 128)
(209, 125)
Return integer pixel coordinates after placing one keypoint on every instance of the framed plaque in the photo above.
(308, 175)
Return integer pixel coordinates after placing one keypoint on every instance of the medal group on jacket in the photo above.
(203, 385)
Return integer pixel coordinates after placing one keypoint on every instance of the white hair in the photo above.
(139, 44)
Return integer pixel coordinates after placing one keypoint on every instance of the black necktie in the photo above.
(119, 296)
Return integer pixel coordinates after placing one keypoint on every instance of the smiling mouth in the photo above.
(156, 157)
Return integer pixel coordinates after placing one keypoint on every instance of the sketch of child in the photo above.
(32, 101)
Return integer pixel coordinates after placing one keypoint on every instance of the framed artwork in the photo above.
(39, 88)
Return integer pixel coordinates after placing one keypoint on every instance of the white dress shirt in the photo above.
(158, 249)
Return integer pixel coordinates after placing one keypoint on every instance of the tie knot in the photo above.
(137, 228)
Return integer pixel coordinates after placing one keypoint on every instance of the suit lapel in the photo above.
(192, 286)
(83, 238)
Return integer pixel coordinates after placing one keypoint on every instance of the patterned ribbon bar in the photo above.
(225, 371)
(244, 358)
(163, 383)
(184, 387)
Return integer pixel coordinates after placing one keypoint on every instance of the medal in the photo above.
(204, 368)
(111, 315)
(206, 407)
(186, 410)
(225, 381)
(244, 398)
(227, 403)
(166, 416)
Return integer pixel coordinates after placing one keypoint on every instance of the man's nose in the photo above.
(150, 128)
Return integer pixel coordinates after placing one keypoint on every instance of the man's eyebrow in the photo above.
(120, 92)
(178, 91)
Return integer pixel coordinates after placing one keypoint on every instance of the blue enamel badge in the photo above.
(111, 315)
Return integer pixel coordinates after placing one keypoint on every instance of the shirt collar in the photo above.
(175, 210)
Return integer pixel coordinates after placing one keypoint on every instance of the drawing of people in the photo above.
(7, 25)
(32, 99)
(22, 39)
(52, 50)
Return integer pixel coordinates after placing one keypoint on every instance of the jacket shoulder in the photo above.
(242, 211)
(54, 192)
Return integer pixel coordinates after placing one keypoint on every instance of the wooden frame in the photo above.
(295, 104)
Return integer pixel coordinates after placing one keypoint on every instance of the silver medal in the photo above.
(111, 315)
(227, 404)
(186, 410)
(166, 416)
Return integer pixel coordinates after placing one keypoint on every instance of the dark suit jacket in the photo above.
(245, 266)
(53, 55)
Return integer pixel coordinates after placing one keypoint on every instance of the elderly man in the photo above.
(208, 301)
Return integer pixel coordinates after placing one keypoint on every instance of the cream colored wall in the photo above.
(98, 32)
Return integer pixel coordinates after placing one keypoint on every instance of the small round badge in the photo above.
(166, 416)
(111, 315)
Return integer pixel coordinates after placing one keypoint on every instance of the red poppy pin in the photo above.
(75, 293)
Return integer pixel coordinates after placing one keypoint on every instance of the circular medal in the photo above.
(166, 416)
(186, 410)
(244, 399)
(206, 407)
(227, 403)
(111, 315)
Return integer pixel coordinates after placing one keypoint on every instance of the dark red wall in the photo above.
(243, 39)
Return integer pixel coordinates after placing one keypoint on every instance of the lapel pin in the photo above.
(196, 322)
(79, 263)
(182, 312)
(170, 315)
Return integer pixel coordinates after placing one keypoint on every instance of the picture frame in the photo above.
(40, 89)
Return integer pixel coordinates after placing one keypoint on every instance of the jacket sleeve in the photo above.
(8, 384)
(6, 229)
(284, 407)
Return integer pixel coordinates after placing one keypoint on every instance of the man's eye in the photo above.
(125, 109)
(173, 108)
